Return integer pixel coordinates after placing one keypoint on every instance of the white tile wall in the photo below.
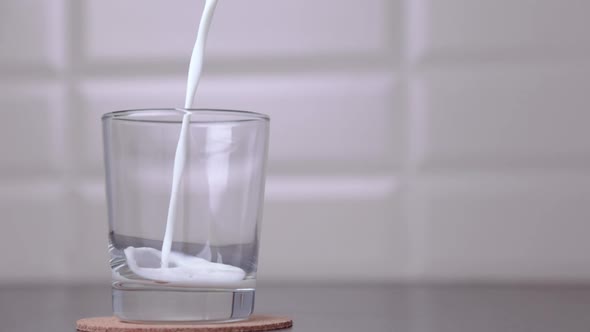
(526, 29)
(414, 139)
(481, 226)
(31, 35)
(33, 119)
(334, 237)
(267, 28)
(91, 229)
(35, 243)
(497, 140)
(503, 117)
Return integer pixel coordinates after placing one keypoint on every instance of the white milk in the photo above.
(174, 267)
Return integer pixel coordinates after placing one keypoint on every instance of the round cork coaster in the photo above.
(254, 323)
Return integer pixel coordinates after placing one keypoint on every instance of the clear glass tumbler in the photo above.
(210, 272)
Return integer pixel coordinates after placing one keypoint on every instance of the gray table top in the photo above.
(343, 308)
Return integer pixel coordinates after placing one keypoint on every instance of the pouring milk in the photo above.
(174, 267)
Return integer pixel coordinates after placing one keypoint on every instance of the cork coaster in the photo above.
(254, 323)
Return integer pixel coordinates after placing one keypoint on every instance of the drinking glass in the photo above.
(211, 274)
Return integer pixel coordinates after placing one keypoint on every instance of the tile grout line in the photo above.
(414, 231)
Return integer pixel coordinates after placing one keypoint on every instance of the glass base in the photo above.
(150, 304)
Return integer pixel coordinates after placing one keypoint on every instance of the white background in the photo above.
(411, 140)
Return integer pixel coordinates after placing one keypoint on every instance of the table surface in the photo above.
(342, 308)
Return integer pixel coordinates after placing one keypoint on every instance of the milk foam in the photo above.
(175, 267)
(186, 269)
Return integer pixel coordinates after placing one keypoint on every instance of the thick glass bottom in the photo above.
(164, 304)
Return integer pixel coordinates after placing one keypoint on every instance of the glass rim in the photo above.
(233, 115)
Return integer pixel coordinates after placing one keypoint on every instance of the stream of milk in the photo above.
(166, 265)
